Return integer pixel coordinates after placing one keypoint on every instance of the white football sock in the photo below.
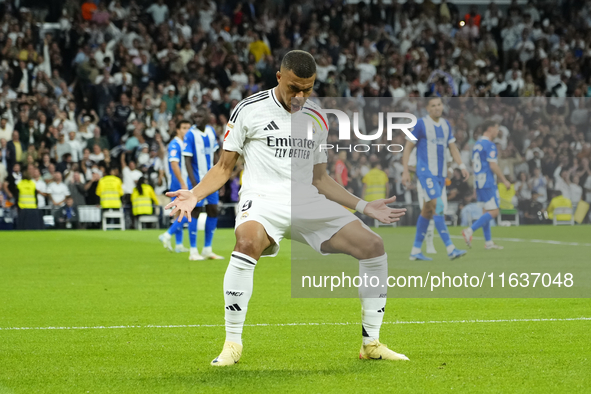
(206, 250)
(237, 291)
(430, 234)
(373, 299)
(193, 250)
(450, 248)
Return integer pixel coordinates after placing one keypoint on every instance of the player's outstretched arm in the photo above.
(377, 209)
(185, 200)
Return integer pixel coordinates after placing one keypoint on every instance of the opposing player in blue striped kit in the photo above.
(177, 175)
(433, 136)
(484, 163)
(200, 146)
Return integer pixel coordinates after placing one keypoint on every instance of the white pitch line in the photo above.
(536, 241)
(292, 324)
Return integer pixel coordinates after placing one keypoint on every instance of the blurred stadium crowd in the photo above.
(98, 85)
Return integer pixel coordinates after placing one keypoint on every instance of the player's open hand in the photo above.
(465, 174)
(380, 210)
(183, 204)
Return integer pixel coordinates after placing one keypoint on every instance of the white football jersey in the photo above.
(278, 155)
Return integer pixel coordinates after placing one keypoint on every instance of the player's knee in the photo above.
(247, 246)
(494, 213)
(439, 206)
(373, 246)
(212, 211)
(428, 209)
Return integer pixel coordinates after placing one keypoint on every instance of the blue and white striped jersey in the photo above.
(199, 148)
(175, 153)
(432, 142)
(484, 152)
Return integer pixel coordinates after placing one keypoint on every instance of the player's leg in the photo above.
(166, 237)
(437, 206)
(358, 241)
(431, 229)
(493, 209)
(211, 224)
(427, 211)
(193, 251)
(179, 247)
(251, 241)
(490, 203)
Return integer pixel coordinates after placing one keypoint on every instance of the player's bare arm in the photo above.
(377, 209)
(190, 172)
(176, 169)
(500, 176)
(215, 178)
(405, 157)
(455, 153)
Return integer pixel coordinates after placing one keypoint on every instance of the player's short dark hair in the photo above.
(301, 63)
(431, 98)
(182, 122)
(488, 124)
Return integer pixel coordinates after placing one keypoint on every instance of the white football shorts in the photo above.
(313, 221)
(422, 196)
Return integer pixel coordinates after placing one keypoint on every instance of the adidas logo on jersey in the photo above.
(271, 126)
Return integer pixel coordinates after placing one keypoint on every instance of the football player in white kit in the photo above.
(277, 161)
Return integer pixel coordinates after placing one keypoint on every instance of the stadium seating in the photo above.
(114, 214)
(563, 211)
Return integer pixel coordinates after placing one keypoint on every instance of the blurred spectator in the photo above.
(130, 176)
(27, 194)
(77, 190)
(562, 183)
(575, 190)
(6, 124)
(340, 169)
(533, 210)
(92, 197)
(11, 182)
(142, 198)
(559, 201)
(507, 196)
(538, 185)
(7, 154)
(15, 146)
(61, 148)
(110, 191)
(41, 188)
(67, 216)
(58, 191)
(458, 189)
(375, 182)
(522, 188)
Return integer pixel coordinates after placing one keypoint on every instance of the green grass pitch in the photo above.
(93, 279)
